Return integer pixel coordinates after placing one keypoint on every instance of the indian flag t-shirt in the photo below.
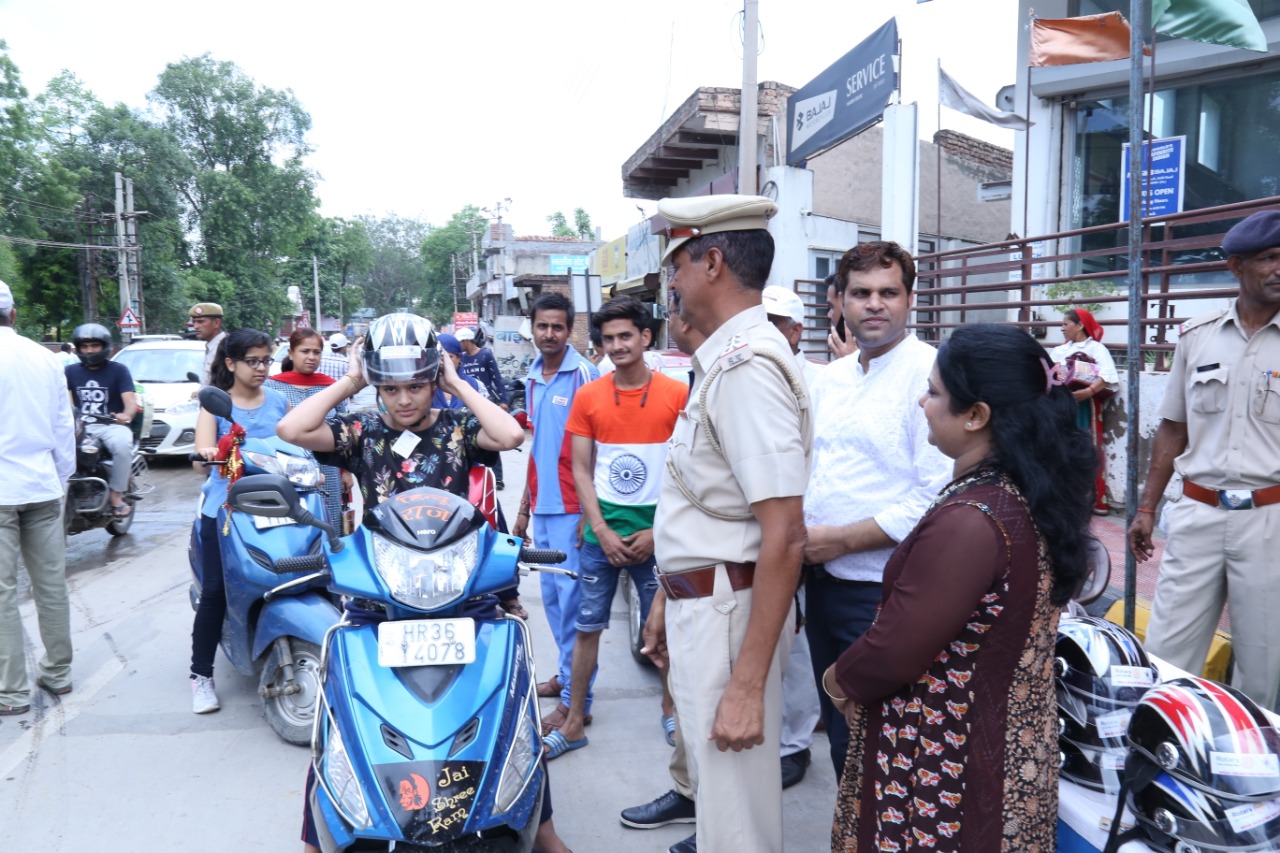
(630, 429)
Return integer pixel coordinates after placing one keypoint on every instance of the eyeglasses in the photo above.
(255, 363)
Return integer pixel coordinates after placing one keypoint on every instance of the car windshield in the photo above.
(162, 365)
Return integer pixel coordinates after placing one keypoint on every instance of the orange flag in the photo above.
(1091, 38)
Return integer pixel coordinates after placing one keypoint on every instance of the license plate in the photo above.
(427, 642)
(263, 522)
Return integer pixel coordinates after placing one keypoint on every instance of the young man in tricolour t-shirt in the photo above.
(620, 425)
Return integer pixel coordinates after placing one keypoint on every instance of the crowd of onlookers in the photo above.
(880, 546)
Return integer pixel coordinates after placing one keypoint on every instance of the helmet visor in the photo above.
(1179, 811)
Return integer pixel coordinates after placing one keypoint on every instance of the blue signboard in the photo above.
(1163, 176)
(565, 264)
(844, 100)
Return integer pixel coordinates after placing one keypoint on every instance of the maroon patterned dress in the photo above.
(955, 747)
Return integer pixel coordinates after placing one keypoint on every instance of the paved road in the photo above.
(121, 763)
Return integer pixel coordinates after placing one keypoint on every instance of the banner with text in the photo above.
(844, 100)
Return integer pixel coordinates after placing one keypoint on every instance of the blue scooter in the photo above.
(277, 614)
(427, 734)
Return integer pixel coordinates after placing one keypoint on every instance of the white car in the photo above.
(162, 368)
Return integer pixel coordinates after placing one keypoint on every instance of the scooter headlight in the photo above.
(515, 770)
(341, 781)
(299, 470)
(426, 579)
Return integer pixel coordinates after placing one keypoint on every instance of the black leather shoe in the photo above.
(689, 845)
(793, 767)
(671, 807)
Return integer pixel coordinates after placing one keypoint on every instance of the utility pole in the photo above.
(748, 123)
(134, 256)
(122, 266)
(315, 281)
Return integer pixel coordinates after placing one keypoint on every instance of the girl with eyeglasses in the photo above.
(239, 367)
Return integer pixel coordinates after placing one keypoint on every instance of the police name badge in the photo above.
(405, 445)
(737, 352)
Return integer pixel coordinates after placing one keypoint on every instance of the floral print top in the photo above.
(445, 451)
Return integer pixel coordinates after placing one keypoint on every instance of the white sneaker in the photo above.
(203, 699)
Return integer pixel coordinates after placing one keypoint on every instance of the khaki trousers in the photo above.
(1214, 556)
(35, 530)
(738, 794)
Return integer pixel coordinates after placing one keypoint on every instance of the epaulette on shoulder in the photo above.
(1194, 322)
(737, 351)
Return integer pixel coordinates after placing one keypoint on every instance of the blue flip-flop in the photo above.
(555, 745)
(669, 727)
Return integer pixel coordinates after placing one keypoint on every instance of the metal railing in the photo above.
(1182, 269)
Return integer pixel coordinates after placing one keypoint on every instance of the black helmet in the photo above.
(400, 348)
(1204, 769)
(92, 332)
(1102, 671)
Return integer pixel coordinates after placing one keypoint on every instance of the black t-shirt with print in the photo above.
(442, 458)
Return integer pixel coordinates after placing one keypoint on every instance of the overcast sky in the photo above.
(419, 108)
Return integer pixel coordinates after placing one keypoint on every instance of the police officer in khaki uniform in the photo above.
(206, 317)
(1220, 430)
(729, 532)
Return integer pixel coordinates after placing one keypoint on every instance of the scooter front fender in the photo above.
(306, 615)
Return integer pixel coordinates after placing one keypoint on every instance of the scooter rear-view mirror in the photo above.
(215, 401)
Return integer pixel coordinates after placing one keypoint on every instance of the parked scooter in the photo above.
(427, 735)
(88, 503)
(267, 633)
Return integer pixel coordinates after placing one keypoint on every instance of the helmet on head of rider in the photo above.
(400, 348)
(92, 333)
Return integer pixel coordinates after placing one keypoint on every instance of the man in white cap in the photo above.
(800, 709)
(334, 357)
(729, 531)
(37, 444)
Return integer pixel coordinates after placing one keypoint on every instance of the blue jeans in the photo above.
(561, 598)
(838, 613)
(599, 583)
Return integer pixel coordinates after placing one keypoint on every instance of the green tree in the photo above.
(396, 278)
(560, 226)
(582, 224)
(448, 254)
(245, 193)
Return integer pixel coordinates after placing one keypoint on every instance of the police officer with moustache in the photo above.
(729, 532)
(1220, 430)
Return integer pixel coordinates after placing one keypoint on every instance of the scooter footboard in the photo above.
(440, 755)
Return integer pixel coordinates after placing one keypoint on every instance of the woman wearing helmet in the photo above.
(406, 443)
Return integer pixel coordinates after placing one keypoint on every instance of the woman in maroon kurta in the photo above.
(949, 694)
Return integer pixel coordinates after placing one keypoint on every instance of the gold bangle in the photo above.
(351, 379)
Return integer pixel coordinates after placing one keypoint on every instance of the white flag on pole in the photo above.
(952, 94)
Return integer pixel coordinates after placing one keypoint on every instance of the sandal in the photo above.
(555, 745)
(512, 606)
(122, 511)
(553, 721)
(669, 726)
(550, 688)
(13, 710)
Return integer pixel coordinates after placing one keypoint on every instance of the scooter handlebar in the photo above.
(310, 563)
(542, 555)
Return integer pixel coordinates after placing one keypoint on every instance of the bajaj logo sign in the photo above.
(844, 100)
(812, 114)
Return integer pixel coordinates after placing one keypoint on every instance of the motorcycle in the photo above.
(88, 504)
(272, 631)
(427, 735)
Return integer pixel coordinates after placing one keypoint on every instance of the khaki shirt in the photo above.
(1226, 389)
(210, 349)
(766, 442)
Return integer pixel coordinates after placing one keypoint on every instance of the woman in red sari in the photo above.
(949, 694)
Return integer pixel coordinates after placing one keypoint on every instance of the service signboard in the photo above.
(844, 100)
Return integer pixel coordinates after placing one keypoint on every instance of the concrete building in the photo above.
(834, 202)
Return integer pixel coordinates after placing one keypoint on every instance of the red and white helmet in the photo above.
(1204, 769)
